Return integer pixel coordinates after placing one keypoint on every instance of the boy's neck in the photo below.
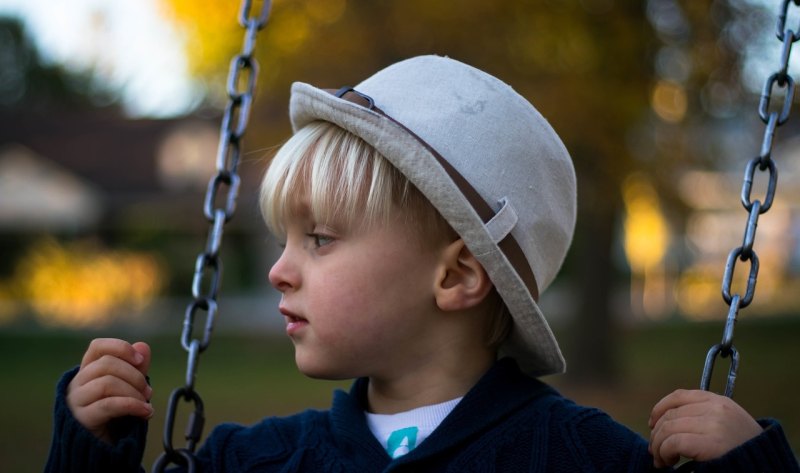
(428, 384)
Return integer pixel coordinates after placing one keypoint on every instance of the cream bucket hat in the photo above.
(489, 163)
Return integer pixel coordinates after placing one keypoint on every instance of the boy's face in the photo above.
(357, 302)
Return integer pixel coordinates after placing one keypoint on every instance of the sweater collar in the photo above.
(501, 391)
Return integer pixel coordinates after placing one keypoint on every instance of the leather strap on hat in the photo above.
(507, 245)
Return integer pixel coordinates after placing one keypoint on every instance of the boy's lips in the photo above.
(294, 322)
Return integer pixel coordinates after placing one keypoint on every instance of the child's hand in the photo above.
(699, 425)
(111, 383)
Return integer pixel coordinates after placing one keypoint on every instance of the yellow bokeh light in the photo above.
(212, 34)
(199, 22)
(81, 285)
(698, 294)
(646, 231)
(669, 101)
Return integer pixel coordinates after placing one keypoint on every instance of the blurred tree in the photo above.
(589, 66)
(27, 82)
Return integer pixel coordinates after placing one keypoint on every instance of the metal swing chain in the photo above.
(223, 186)
(762, 163)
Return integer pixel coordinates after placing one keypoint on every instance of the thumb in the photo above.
(143, 349)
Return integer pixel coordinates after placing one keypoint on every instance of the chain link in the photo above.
(223, 187)
(778, 81)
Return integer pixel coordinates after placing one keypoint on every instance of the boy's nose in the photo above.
(283, 276)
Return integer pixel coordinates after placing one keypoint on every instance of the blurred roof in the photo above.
(39, 194)
(117, 155)
(156, 167)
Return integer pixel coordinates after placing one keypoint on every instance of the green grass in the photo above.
(660, 358)
(243, 379)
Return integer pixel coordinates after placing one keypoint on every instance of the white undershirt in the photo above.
(402, 432)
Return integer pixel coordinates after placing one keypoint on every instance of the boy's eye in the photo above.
(320, 239)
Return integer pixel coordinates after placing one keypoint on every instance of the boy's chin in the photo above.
(321, 370)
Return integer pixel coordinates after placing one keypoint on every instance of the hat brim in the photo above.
(531, 341)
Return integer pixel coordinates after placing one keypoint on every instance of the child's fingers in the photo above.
(104, 398)
(113, 407)
(101, 399)
(677, 398)
(144, 350)
(699, 425)
(109, 365)
(669, 437)
(110, 383)
(96, 416)
(696, 409)
(667, 450)
(106, 386)
(677, 425)
(111, 346)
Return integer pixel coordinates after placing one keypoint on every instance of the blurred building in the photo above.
(39, 194)
(83, 192)
(121, 165)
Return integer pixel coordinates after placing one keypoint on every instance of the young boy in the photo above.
(422, 213)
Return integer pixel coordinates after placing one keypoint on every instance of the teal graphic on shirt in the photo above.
(401, 441)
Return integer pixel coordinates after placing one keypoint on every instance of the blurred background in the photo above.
(109, 126)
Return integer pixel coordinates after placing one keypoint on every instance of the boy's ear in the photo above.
(461, 281)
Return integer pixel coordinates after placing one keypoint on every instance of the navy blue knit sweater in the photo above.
(507, 423)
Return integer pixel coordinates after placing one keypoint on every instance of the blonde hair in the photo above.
(499, 323)
(346, 181)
